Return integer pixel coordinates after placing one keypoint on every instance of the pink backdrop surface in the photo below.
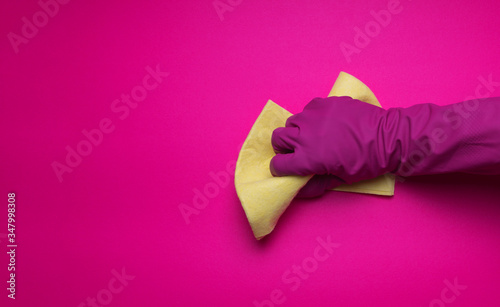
(152, 100)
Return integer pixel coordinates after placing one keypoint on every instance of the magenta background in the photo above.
(119, 207)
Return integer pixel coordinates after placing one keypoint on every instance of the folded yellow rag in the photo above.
(264, 197)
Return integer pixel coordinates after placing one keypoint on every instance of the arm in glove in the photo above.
(343, 140)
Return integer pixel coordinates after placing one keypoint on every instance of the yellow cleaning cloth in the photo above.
(264, 197)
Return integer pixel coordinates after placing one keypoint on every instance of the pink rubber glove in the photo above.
(343, 140)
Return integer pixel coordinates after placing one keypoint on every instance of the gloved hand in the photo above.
(343, 140)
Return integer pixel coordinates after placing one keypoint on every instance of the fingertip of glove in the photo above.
(318, 185)
(272, 168)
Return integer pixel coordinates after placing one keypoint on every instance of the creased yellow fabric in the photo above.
(264, 197)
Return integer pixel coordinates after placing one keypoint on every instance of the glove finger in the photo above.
(283, 139)
(287, 164)
(318, 185)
